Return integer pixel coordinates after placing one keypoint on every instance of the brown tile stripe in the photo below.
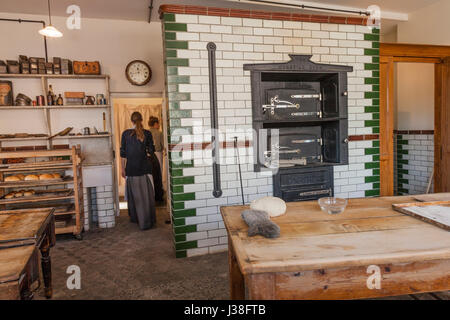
(207, 145)
(230, 144)
(414, 131)
(364, 137)
(225, 12)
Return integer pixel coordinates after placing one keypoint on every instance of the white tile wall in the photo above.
(240, 41)
(102, 205)
(420, 162)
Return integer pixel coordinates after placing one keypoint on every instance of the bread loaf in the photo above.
(46, 176)
(18, 194)
(28, 193)
(12, 179)
(272, 205)
(31, 177)
(10, 195)
(21, 176)
(56, 176)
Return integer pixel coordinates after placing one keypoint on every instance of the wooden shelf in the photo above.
(19, 169)
(92, 136)
(23, 139)
(28, 184)
(71, 228)
(66, 196)
(52, 76)
(65, 107)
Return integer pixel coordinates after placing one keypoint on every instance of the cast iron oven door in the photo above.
(302, 184)
(294, 146)
(292, 104)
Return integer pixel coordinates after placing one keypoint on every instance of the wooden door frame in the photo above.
(391, 53)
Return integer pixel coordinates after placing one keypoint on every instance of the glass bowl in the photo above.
(332, 205)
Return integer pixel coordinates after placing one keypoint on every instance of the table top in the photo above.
(368, 232)
(13, 262)
(23, 226)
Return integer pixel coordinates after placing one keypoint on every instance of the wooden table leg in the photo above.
(237, 283)
(47, 269)
(26, 294)
(261, 286)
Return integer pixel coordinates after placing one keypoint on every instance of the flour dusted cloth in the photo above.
(141, 200)
(259, 223)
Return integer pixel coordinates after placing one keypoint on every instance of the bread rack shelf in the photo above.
(70, 196)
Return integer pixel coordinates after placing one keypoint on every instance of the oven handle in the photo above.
(307, 96)
(304, 114)
(307, 141)
(302, 161)
(283, 151)
(315, 193)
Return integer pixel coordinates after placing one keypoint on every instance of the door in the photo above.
(386, 126)
(123, 108)
(442, 127)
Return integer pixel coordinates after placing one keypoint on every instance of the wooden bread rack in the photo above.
(65, 194)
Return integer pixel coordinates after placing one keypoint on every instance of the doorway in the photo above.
(390, 56)
(123, 108)
(413, 128)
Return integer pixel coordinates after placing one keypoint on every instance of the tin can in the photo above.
(40, 100)
(34, 103)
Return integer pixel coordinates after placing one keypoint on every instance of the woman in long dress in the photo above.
(136, 146)
(156, 158)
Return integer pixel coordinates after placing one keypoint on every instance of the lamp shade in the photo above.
(50, 31)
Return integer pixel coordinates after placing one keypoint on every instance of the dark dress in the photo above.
(157, 178)
(139, 186)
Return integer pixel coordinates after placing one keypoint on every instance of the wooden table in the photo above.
(321, 256)
(22, 234)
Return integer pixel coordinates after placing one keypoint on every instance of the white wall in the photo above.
(429, 25)
(415, 96)
(113, 42)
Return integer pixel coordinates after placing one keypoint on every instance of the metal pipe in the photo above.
(302, 6)
(31, 21)
(211, 47)
(150, 7)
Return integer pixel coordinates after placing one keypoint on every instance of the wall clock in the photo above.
(138, 72)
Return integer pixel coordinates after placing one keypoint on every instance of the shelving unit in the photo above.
(86, 141)
(68, 200)
(47, 109)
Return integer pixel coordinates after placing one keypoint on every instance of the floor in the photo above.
(126, 263)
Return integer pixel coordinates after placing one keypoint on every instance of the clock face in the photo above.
(138, 72)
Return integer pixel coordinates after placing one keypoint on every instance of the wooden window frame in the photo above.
(391, 53)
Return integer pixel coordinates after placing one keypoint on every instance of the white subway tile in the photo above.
(186, 18)
(209, 20)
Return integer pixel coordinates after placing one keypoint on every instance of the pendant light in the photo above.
(50, 31)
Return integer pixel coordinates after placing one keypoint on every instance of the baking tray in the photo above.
(435, 212)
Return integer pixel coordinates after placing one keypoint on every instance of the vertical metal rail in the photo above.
(211, 46)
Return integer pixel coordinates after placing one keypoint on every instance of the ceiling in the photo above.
(138, 9)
